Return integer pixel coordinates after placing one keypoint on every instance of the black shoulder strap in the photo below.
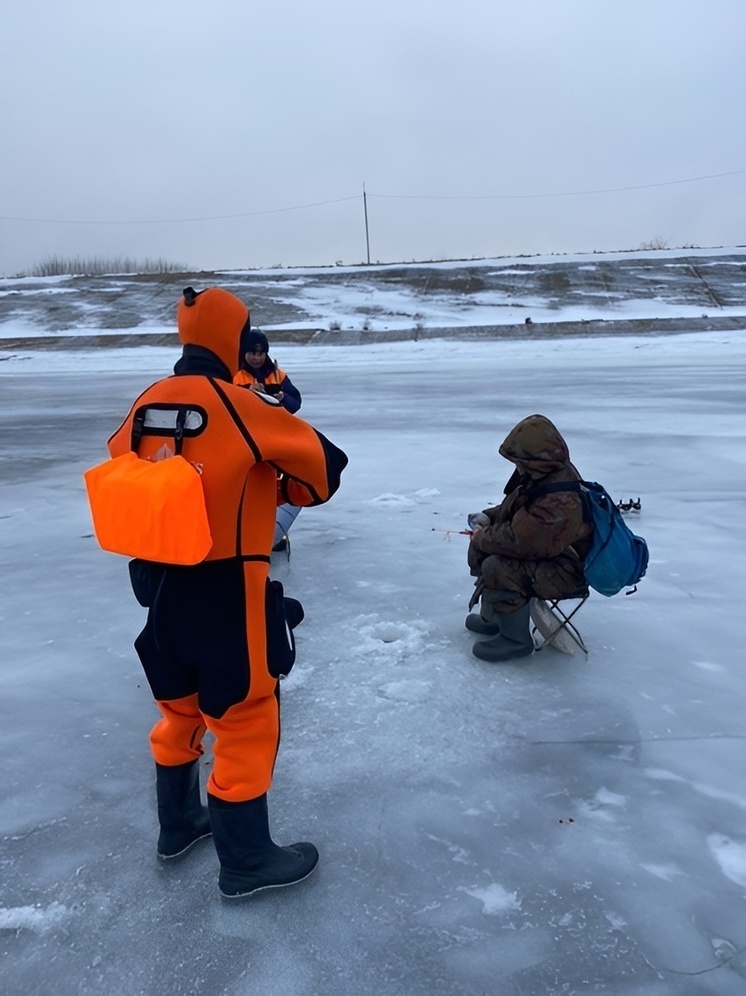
(579, 487)
(250, 442)
(249, 439)
(548, 489)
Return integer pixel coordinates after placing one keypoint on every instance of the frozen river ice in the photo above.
(554, 825)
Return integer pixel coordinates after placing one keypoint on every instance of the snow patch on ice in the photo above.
(661, 775)
(706, 790)
(495, 899)
(708, 665)
(597, 808)
(730, 855)
(667, 872)
(32, 917)
(720, 794)
(606, 798)
(392, 500)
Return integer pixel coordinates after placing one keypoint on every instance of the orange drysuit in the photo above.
(211, 640)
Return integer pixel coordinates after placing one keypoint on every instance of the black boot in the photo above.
(294, 613)
(514, 641)
(249, 859)
(486, 622)
(476, 624)
(183, 818)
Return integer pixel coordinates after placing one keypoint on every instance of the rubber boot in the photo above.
(514, 641)
(249, 859)
(294, 613)
(476, 624)
(183, 818)
(486, 622)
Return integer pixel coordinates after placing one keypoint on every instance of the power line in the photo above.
(354, 197)
(180, 221)
(565, 193)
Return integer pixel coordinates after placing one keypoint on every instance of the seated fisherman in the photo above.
(531, 545)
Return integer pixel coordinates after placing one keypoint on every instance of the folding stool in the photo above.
(552, 624)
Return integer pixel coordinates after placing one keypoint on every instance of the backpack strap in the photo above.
(578, 487)
(138, 424)
(179, 431)
(138, 429)
(583, 488)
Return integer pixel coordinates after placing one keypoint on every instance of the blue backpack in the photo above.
(617, 558)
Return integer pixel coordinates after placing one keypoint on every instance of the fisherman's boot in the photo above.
(183, 818)
(486, 622)
(514, 640)
(249, 859)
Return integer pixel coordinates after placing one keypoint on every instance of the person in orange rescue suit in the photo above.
(217, 634)
(531, 545)
(262, 374)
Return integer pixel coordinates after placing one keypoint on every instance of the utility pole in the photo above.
(367, 234)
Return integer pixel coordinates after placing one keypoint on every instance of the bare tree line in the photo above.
(94, 266)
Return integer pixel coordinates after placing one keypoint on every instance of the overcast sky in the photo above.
(237, 133)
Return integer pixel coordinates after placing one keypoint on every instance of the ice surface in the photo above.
(554, 825)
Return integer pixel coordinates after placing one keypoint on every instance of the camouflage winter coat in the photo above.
(534, 545)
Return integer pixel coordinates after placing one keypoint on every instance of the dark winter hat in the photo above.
(253, 339)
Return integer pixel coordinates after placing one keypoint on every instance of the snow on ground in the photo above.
(554, 825)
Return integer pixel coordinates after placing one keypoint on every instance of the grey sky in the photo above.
(122, 124)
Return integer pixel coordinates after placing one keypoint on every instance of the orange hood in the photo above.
(214, 319)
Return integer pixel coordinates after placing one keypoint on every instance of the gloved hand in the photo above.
(477, 519)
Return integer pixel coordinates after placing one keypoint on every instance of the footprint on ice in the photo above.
(405, 691)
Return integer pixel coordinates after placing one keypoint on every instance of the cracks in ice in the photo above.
(639, 740)
(712, 968)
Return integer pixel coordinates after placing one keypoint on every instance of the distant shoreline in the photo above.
(351, 337)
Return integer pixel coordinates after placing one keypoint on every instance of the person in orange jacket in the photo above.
(259, 372)
(218, 635)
